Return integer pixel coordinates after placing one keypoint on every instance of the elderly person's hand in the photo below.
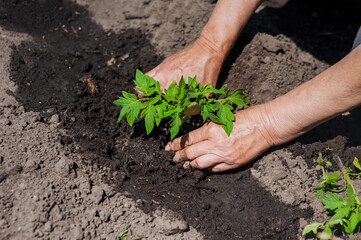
(202, 59)
(210, 147)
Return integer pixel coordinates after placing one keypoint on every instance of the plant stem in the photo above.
(347, 177)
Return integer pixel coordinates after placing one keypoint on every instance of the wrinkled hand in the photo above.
(210, 147)
(201, 59)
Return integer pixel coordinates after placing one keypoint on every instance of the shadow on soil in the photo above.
(72, 68)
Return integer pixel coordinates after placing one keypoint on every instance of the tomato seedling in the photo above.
(178, 102)
(345, 212)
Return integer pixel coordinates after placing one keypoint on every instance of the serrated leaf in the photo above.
(192, 82)
(121, 115)
(228, 126)
(181, 89)
(160, 108)
(205, 109)
(352, 222)
(215, 107)
(175, 125)
(140, 81)
(350, 195)
(130, 107)
(320, 192)
(214, 118)
(333, 178)
(238, 98)
(356, 164)
(312, 228)
(149, 118)
(339, 216)
(332, 201)
(213, 90)
(226, 116)
(170, 93)
(155, 100)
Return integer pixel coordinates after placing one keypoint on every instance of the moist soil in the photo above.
(73, 69)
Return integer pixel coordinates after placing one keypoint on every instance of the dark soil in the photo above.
(64, 70)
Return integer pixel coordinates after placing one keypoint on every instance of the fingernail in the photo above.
(167, 147)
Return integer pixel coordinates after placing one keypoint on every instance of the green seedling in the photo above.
(124, 233)
(179, 102)
(327, 183)
(346, 213)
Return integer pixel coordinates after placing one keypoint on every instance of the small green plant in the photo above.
(346, 213)
(178, 102)
(124, 233)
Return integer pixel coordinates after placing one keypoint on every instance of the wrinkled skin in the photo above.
(210, 147)
(199, 59)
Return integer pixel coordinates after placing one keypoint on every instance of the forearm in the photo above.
(334, 91)
(226, 22)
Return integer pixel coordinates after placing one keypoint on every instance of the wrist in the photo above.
(216, 47)
(281, 123)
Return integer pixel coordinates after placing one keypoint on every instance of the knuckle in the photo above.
(201, 164)
(213, 129)
(195, 164)
(189, 153)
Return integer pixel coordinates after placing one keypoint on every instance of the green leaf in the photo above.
(170, 93)
(332, 201)
(160, 108)
(329, 163)
(312, 228)
(320, 192)
(175, 125)
(149, 118)
(214, 118)
(193, 109)
(333, 178)
(155, 100)
(205, 109)
(212, 90)
(352, 222)
(327, 232)
(238, 98)
(350, 195)
(226, 116)
(340, 215)
(124, 232)
(130, 107)
(192, 82)
(319, 161)
(181, 89)
(121, 115)
(356, 164)
(140, 81)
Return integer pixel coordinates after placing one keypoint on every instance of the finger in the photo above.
(193, 151)
(221, 167)
(204, 161)
(188, 139)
